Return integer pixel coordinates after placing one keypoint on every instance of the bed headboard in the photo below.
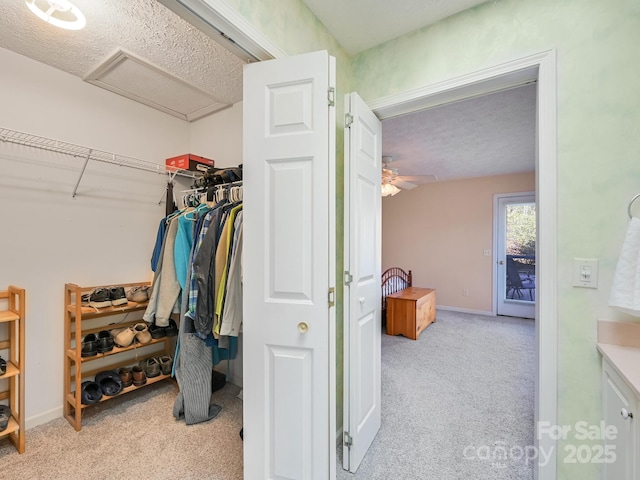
(394, 279)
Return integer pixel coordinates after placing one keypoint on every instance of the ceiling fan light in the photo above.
(388, 189)
(56, 12)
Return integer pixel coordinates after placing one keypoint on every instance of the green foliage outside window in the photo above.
(521, 229)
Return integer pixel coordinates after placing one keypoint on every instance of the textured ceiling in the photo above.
(489, 135)
(362, 24)
(143, 27)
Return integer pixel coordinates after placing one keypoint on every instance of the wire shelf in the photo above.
(51, 145)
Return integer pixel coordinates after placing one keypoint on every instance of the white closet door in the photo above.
(362, 329)
(289, 260)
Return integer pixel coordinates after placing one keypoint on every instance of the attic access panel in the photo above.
(134, 78)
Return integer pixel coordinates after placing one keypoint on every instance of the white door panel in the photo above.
(362, 329)
(287, 269)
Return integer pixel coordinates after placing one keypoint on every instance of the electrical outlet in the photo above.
(486, 252)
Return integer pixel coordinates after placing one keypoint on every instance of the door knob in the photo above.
(361, 299)
(501, 262)
(303, 327)
(626, 413)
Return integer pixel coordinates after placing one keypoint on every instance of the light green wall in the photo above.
(598, 61)
(598, 98)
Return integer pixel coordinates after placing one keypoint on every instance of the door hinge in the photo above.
(331, 96)
(332, 300)
(347, 440)
(348, 278)
(348, 120)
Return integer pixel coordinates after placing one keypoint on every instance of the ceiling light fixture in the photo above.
(389, 189)
(61, 13)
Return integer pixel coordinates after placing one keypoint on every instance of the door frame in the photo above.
(539, 67)
(497, 198)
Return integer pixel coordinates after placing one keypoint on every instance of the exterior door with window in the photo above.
(516, 279)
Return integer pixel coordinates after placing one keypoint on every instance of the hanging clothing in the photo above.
(166, 289)
(157, 249)
(192, 367)
(231, 318)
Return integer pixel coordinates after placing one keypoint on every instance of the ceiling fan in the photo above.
(393, 182)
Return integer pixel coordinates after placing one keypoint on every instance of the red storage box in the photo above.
(189, 161)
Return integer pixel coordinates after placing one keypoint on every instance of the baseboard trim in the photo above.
(43, 418)
(465, 310)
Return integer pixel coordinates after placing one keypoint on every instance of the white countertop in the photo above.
(625, 361)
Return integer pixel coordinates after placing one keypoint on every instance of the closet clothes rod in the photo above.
(58, 146)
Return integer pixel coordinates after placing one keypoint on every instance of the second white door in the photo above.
(362, 328)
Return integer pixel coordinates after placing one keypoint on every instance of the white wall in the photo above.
(103, 236)
(219, 136)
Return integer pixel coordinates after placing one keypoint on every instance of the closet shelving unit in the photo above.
(75, 314)
(89, 154)
(14, 318)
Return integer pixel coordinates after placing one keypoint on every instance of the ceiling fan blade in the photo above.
(404, 185)
(418, 179)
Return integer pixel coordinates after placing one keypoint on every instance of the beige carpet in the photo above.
(134, 436)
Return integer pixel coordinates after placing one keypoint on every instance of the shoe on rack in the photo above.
(110, 382)
(86, 300)
(142, 332)
(91, 392)
(3, 366)
(117, 296)
(105, 341)
(172, 329)
(138, 294)
(166, 364)
(151, 367)
(89, 346)
(99, 298)
(139, 377)
(124, 337)
(5, 415)
(156, 331)
(125, 377)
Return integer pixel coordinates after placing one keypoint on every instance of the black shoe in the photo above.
(105, 342)
(110, 382)
(172, 329)
(100, 298)
(3, 366)
(117, 296)
(156, 331)
(5, 415)
(90, 346)
(151, 367)
(91, 392)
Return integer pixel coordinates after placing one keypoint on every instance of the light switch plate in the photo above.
(585, 272)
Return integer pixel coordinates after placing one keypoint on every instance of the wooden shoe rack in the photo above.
(13, 317)
(80, 321)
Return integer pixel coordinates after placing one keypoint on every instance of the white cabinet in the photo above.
(622, 410)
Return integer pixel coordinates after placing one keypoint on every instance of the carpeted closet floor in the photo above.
(134, 436)
(450, 402)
